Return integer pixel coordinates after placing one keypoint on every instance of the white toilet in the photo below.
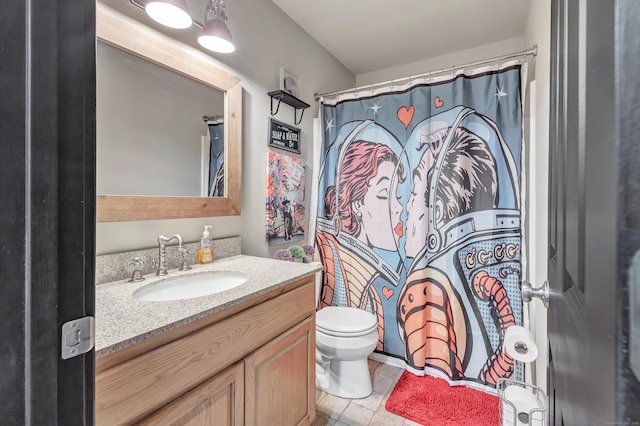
(345, 337)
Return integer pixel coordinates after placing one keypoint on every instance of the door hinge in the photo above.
(78, 337)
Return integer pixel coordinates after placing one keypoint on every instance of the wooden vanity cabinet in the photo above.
(218, 401)
(250, 364)
(280, 380)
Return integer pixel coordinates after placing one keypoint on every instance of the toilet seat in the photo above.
(341, 321)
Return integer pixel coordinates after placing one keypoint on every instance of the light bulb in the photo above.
(215, 36)
(171, 13)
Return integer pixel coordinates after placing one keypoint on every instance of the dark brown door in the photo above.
(47, 213)
(587, 334)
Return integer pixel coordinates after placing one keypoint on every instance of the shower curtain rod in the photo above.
(215, 117)
(529, 52)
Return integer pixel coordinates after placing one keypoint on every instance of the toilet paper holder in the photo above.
(521, 412)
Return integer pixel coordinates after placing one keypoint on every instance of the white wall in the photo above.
(538, 32)
(462, 57)
(266, 39)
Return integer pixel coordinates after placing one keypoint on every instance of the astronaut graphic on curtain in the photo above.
(419, 223)
(361, 214)
(459, 221)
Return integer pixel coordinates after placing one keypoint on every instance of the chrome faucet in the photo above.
(162, 264)
(137, 263)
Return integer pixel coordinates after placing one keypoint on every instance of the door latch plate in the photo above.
(78, 337)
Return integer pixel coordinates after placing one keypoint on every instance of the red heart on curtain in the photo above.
(438, 102)
(386, 291)
(405, 115)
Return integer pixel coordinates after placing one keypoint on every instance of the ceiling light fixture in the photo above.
(215, 35)
(171, 13)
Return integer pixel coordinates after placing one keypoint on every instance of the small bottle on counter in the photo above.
(205, 254)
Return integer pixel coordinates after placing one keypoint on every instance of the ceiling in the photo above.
(371, 35)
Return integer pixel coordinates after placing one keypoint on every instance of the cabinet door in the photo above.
(280, 379)
(218, 401)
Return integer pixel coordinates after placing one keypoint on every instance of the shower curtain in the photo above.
(418, 218)
(216, 159)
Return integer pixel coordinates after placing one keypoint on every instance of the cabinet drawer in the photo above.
(132, 390)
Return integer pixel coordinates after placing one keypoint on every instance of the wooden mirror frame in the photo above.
(135, 38)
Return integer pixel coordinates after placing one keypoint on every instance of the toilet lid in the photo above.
(341, 321)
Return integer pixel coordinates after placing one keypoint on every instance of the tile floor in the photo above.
(331, 410)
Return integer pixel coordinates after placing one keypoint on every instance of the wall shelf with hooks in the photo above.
(288, 99)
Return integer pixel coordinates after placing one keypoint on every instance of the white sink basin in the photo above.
(190, 286)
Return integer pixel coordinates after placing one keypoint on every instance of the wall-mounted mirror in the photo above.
(166, 118)
(152, 130)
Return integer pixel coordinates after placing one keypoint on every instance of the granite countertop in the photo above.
(122, 321)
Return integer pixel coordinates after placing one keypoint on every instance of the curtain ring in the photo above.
(371, 87)
(392, 85)
(410, 80)
(429, 77)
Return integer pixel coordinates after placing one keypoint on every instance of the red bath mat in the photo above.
(431, 401)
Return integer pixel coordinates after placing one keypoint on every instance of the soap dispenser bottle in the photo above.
(205, 254)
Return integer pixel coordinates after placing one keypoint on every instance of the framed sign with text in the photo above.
(284, 136)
